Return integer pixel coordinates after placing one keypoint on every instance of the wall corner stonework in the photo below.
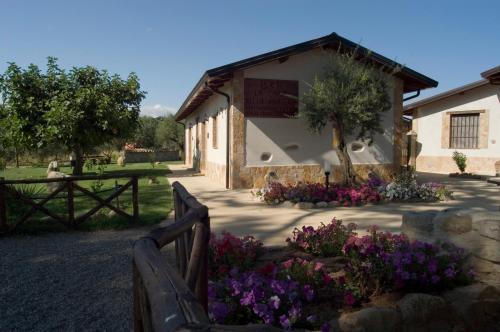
(398, 124)
(237, 123)
(484, 129)
(445, 130)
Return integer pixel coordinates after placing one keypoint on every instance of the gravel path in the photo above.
(67, 281)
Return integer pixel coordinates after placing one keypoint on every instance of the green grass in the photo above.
(155, 200)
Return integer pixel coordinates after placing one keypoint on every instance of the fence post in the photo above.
(202, 283)
(135, 197)
(71, 203)
(3, 206)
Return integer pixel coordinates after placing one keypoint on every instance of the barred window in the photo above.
(464, 131)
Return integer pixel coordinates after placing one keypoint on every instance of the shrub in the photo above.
(461, 160)
(327, 240)
(385, 261)
(277, 193)
(405, 186)
(228, 251)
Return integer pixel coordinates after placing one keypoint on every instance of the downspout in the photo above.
(228, 100)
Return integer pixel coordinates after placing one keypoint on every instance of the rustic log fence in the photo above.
(68, 185)
(168, 298)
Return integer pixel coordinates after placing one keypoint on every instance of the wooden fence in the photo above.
(168, 298)
(68, 185)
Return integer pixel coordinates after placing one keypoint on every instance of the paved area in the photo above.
(78, 281)
(238, 212)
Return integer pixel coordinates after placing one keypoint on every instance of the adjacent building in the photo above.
(241, 121)
(465, 119)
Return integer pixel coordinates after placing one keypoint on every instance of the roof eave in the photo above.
(408, 109)
(413, 80)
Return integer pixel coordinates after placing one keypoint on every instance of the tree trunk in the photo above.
(16, 153)
(346, 167)
(78, 168)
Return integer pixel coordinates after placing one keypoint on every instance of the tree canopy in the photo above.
(80, 109)
(170, 133)
(351, 95)
(161, 132)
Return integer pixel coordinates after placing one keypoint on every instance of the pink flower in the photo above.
(327, 279)
(349, 299)
(318, 266)
(287, 264)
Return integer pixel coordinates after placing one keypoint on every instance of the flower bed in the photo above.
(403, 187)
(323, 271)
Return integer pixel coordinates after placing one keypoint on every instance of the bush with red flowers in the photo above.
(228, 251)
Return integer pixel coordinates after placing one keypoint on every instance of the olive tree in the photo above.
(351, 95)
(80, 109)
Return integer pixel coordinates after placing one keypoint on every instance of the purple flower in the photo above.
(309, 293)
(278, 286)
(285, 322)
(219, 311)
(449, 272)
(294, 312)
(420, 257)
(325, 327)
(435, 279)
(235, 287)
(432, 267)
(248, 298)
(211, 291)
(274, 302)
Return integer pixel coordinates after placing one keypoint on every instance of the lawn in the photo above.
(155, 200)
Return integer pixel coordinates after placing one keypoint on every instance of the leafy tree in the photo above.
(170, 134)
(79, 109)
(351, 95)
(145, 135)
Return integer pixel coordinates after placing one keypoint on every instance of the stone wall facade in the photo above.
(442, 164)
(253, 177)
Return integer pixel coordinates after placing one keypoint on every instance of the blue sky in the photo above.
(170, 44)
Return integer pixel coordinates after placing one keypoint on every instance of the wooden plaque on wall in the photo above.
(271, 98)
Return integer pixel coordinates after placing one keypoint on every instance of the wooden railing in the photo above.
(168, 298)
(66, 185)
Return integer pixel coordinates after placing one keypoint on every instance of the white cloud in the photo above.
(157, 110)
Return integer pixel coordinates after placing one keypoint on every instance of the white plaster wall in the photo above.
(214, 105)
(429, 121)
(268, 135)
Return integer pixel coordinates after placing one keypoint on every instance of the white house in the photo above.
(465, 119)
(261, 133)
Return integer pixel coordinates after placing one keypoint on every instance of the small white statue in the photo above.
(53, 186)
(121, 160)
(53, 167)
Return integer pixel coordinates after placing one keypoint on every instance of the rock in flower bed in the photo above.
(324, 274)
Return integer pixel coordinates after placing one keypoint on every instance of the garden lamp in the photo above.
(327, 168)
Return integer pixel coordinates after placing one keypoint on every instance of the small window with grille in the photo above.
(464, 131)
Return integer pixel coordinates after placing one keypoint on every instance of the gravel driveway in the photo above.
(67, 281)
